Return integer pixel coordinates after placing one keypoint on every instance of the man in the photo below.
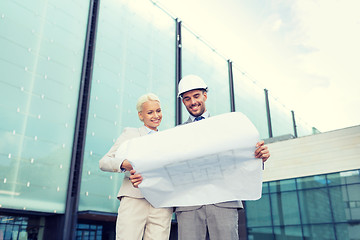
(218, 221)
(215, 221)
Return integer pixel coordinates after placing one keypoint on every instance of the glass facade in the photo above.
(315, 207)
(42, 45)
(200, 59)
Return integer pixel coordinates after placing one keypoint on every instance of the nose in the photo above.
(192, 101)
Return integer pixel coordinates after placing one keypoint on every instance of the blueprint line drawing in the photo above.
(203, 169)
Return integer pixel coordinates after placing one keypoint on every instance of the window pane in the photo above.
(199, 59)
(311, 182)
(260, 233)
(354, 201)
(285, 208)
(348, 231)
(315, 206)
(351, 176)
(335, 179)
(281, 118)
(287, 185)
(20, 227)
(250, 100)
(258, 212)
(282, 185)
(265, 188)
(274, 186)
(303, 128)
(339, 202)
(319, 232)
(135, 54)
(285, 233)
(42, 44)
(344, 178)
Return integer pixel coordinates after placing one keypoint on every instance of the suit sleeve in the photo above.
(109, 163)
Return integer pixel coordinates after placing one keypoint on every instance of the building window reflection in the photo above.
(315, 207)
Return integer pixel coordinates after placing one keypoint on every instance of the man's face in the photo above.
(194, 102)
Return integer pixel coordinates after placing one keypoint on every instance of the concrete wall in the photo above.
(327, 152)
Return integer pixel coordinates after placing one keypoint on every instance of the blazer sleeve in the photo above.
(109, 163)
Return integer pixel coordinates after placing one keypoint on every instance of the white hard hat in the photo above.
(191, 82)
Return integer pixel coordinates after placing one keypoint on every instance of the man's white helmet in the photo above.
(191, 82)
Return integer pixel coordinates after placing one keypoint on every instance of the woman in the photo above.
(137, 219)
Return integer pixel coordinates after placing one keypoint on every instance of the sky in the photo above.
(305, 52)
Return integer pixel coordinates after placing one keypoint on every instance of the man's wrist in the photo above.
(125, 166)
(121, 167)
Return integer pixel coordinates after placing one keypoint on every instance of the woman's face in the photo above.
(151, 114)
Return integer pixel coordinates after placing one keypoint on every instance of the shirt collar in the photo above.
(205, 115)
(149, 131)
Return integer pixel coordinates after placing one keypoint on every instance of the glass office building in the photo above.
(71, 73)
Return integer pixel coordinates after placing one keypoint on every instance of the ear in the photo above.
(205, 95)
(140, 116)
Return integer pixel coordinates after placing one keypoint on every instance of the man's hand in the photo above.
(262, 151)
(126, 165)
(135, 178)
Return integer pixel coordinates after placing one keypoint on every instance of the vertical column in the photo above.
(268, 113)
(299, 207)
(72, 199)
(242, 230)
(294, 123)
(231, 86)
(332, 205)
(178, 70)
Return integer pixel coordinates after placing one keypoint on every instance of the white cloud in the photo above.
(277, 24)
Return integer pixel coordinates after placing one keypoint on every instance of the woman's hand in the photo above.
(135, 178)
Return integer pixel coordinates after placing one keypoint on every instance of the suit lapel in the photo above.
(188, 121)
(143, 131)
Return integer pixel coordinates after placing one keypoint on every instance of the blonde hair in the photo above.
(144, 98)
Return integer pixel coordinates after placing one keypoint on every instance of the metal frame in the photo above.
(231, 86)
(72, 199)
(294, 123)
(178, 71)
(268, 115)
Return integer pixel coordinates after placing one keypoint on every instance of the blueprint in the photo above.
(204, 162)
